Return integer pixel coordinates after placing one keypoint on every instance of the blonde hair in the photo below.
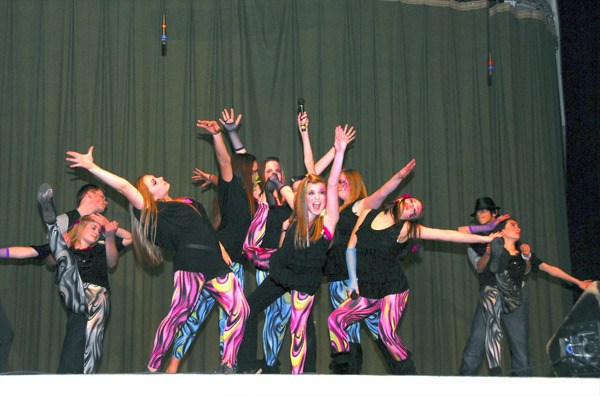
(306, 231)
(144, 229)
(357, 190)
(74, 234)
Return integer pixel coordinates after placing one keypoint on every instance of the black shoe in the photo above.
(225, 369)
(44, 197)
(340, 363)
(405, 367)
(356, 358)
(499, 256)
(496, 371)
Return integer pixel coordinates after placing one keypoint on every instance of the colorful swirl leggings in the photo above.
(186, 335)
(98, 299)
(337, 294)
(391, 308)
(491, 301)
(188, 286)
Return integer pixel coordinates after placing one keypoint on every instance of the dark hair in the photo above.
(485, 203)
(501, 226)
(85, 189)
(241, 165)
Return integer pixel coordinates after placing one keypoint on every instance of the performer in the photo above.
(234, 212)
(502, 291)
(183, 226)
(83, 264)
(378, 281)
(296, 266)
(353, 195)
(516, 323)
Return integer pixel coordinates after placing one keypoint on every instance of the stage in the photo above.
(265, 385)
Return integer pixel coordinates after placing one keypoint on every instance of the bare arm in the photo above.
(438, 234)
(560, 274)
(332, 215)
(309, 161)
(324, 162)
(110, 244)
(18, 252)
(124, 187)
(221, 152)
(376, 199)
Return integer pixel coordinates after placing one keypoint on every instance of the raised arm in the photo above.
(376, 199)
(124, 187)
(309, 160)
(332, 215)
(323, 163)
(223, 157)
(560, 274)
(232, 126)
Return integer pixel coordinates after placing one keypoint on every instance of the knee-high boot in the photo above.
(356, 358)
(405, 367)
(340, 363)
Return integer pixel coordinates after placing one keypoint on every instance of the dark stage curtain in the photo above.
(410, 75)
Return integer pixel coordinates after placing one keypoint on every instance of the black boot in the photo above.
(499, 257)
(44, 197)
(340, 363)
(271, 369)
(405, 367)
(496, 371)
(356, 358)
(389, 359)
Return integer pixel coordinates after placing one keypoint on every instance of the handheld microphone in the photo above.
(301, 110)
(353, 295)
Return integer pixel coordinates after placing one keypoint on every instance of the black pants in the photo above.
(264, 295)
(6, 336)
(73, 349)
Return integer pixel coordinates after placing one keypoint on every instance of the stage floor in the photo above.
(288, 385)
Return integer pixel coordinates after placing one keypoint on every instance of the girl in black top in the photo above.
(178, 225)
(381, 286)
(297, 265)
(91, 260)
(502, 287)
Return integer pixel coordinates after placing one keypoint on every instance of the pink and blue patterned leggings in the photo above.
(226, 291)
(391, 308)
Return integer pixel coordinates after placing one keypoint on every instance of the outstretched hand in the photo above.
(228, 120)
(341, 137)
(407, 169)
(81, 160)
(201, 177)
(210, 125)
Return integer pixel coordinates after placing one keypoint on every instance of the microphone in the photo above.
(163, 38)
(354, 295)
(301, 110)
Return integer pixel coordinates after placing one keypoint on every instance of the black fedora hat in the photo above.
(484, 203)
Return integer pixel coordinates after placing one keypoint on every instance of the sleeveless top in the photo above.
(379, 272)
(335, 268)
(299, 269)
